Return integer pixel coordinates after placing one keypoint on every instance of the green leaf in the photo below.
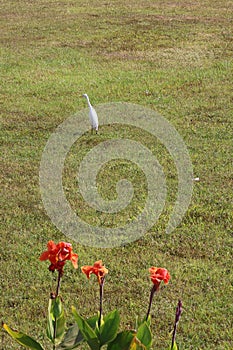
(122, 341)
(139, 321)
(57, 307)
(109, 328)
(23, 339)
(144, 335)
(88, 333)
(50, 323)
(56, 320)
(73, 336)
(92, 321)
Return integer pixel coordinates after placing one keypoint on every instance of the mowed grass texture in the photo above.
(172, 57)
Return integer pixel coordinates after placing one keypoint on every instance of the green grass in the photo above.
(173, 57)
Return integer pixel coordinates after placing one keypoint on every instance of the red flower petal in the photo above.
(57, 254)
(87, 270)
(44, 256)
(158, 275)
(98, 269)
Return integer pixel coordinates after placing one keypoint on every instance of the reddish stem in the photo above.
(153, 290)
(101, 299)
(60, 272)
(178, 314)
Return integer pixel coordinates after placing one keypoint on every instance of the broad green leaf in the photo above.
(23, 339)
(60, 328)
(74, 337)
(122, 341)
(57, 307)
(144, 335)
(56, 320)
(109, 328)
(139, 322)
(88, 333)
(50, 321)
(92, 321)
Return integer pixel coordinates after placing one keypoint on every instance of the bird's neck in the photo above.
(88, 102)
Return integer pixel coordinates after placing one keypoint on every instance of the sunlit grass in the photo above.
(175, 58)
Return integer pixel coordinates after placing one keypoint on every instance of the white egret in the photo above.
(196, 179)
(92, 115)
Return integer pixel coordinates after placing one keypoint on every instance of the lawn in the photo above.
(172, 57)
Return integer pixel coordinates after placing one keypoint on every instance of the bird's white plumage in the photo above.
(196, 179)
(92, 115)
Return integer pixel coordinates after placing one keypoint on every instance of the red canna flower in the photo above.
(58, 254)
(98, 269)
(159, 274)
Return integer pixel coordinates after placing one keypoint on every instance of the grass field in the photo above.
(176, 59)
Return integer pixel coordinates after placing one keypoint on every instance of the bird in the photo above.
(92, 115)
(196, 179)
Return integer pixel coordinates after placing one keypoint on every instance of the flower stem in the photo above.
(58, 282)
(56, 294)
(153, 290)
(101, 300)
(174, 335)
(178, 314)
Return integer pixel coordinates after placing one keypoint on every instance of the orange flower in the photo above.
(98, 269)
(159, 274)
(57, 254)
